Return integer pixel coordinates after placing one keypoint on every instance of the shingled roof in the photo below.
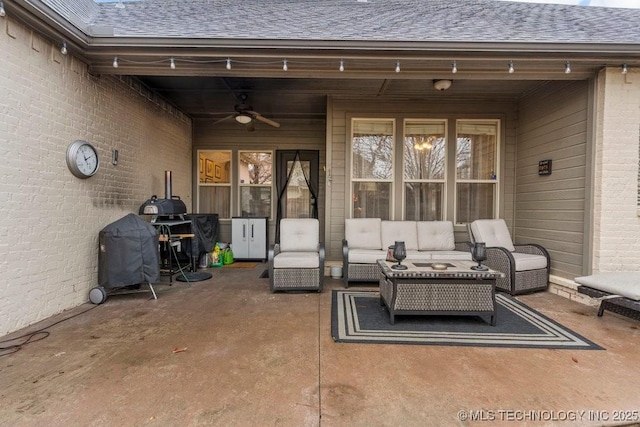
(372, 20)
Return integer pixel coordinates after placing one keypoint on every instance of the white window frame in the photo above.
(271, 186)
(446, 165)
(497, 170)
(391, 181)
(216, 184)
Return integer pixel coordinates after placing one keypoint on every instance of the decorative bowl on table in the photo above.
(439, 266)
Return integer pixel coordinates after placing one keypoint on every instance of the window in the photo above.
(255, 171)
(447, 169)
(425, 147)
(476, 166)
(372, 167)
(214, 182)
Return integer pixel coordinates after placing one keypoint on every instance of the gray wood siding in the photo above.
(550, 210)
(292, 135)
(340, 111)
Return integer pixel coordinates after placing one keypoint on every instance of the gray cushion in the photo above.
(418, 255)
(454, 255)
(363, 233)
(527, 262)
(626, 284)
(404, 231)
(296, 260)
(299, 235)
(436, 236)
(366, 256)
(493, 232)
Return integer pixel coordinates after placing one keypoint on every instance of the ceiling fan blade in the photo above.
(225, 118)
(265, 120)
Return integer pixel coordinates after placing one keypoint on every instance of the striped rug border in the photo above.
(345, 327)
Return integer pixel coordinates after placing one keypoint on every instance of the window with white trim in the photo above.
(372, 167)
(255, 172)
(424, 169)
(214, 182)
(476, 166)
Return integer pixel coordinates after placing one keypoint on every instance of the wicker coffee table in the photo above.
(422, 289)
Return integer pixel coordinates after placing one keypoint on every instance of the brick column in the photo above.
(616, 224)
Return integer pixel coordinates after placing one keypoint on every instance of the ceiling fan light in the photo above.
(243, 118)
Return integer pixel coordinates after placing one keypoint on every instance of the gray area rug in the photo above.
(358, 317)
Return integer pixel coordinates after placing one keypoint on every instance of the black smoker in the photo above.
(169, 215)
(169, 208)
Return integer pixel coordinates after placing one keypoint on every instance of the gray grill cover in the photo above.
(128, 253)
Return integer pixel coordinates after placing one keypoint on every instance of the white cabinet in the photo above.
(249, 238)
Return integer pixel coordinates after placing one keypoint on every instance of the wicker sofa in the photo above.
(367, 240)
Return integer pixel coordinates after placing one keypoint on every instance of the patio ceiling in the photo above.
(202, 86)
(305, 98)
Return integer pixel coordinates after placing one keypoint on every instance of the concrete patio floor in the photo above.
(253, 358)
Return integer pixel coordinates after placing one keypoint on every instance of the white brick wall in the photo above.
(50, 219)
(616, 222)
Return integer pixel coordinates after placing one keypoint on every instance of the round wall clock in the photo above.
(82, 159)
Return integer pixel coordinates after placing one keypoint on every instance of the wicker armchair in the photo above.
(526, 266)
(297, 262)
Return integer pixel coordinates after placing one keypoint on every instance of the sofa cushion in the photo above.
(366, 256)
(418, 255)
(624, 283)
(363, 233)
(526, 262)
(453, 255)
(405, 231)
(296, 260)
(493, 232)
(435, 236)
(299, 234)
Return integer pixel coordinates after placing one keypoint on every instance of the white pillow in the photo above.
(405, 231)
(436, 236)
(363, 233)
(493, 232)
(299, 234)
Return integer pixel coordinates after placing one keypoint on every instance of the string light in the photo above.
(624, 68)
(285, 62)
(63, 49)
(2, 11)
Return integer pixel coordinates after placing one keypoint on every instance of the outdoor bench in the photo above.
(618, 292)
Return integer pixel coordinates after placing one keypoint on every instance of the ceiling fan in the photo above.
(244, 114)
